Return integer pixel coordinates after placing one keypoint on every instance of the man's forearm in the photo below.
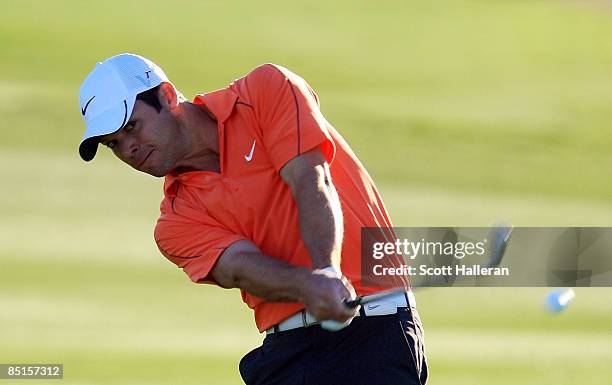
(320, 216)
(271, 279)
(243, 266)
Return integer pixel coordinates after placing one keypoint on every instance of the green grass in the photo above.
(465, 112)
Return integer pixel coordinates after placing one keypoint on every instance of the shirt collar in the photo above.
(221, 103)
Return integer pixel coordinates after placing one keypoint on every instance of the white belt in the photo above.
(383, 306)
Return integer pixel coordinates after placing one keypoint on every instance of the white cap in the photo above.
(108, 94)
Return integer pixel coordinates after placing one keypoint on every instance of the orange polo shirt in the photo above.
(264, 120)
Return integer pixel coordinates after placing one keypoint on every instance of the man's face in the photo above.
(149, 140)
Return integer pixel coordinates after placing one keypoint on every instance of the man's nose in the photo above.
(130, 148)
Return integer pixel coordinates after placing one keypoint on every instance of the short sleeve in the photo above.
(288, 113)
(193, 245)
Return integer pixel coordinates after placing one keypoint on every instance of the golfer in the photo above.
(261, 193)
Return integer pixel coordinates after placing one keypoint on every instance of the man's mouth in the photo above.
(145, 159)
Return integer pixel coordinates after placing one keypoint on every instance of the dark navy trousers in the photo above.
(374, 350)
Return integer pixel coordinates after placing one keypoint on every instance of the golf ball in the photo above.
(559, 299)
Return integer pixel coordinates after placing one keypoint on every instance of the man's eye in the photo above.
(111, 144)
(129, 127)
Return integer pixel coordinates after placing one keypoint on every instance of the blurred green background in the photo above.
(465, 113)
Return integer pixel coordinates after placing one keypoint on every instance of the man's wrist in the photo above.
(300, 283)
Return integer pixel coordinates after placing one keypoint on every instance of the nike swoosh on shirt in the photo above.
(250, 156)
(373, 307)
(86, 105)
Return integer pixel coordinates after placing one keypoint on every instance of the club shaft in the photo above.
(362, 300)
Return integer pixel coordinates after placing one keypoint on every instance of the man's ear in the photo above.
(168, 96)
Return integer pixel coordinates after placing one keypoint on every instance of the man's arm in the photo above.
(243, 265)
(319, 210)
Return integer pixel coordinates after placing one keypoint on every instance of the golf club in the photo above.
(500, 234)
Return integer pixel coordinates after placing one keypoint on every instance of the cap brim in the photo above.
(108, 122)
(88, 149)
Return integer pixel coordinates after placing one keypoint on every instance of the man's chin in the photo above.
(156, 173)
(153, 172)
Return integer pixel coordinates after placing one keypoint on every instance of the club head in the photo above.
(500, 235)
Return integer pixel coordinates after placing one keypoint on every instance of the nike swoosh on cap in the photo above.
(86, 105)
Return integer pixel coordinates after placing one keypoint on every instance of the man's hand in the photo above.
(323, 294)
